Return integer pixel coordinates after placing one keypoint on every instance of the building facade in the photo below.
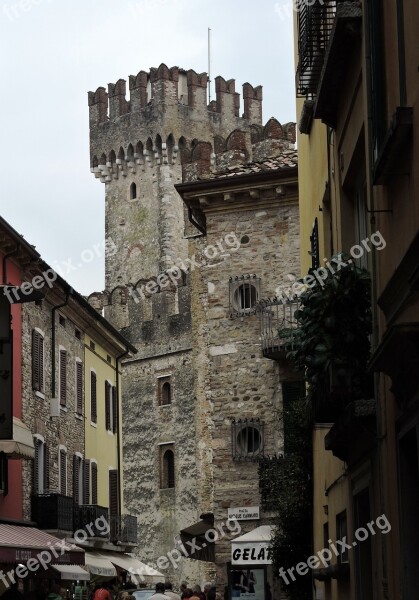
(357, 95)
(182, 287)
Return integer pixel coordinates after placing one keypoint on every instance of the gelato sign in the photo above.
(253, 553)
(244, 513)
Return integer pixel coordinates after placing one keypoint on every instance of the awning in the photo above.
(97, 564)
(21, 446)
(132, 565)
(71, 572)
(194, 541)
(19, 544)
(252, 548)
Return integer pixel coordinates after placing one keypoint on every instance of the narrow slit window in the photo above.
(133, 191)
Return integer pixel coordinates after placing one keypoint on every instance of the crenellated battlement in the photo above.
(249, 143)
(174, 101)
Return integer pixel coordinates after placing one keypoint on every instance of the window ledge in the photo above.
(79, 417)
(40, 395)
(93, 424)
(63, 408)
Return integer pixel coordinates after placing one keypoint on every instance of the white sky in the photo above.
(54, 51)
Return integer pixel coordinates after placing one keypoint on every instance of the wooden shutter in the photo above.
(113, 493)
(46, 467)
(94, 483)
(108, 405)
(63, 377)
(36, 468)
(63, 472)
(115, 411)
(36, 384)
(76, 478)
(86, 482)
(41, 363)
(79, 388)
(93, 398)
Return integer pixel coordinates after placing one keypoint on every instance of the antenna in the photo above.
(209, 65)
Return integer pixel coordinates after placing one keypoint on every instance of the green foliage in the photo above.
(287, 490)
(334, 325)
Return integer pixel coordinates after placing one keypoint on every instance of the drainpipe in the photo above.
(5, 259)
(54, 308)
(118, 437)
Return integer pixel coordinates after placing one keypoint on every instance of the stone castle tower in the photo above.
(137, 148)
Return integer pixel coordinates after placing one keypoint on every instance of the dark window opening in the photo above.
(133, 191)
(168, 470)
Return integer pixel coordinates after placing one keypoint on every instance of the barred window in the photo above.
(244, 292)
(247, 439)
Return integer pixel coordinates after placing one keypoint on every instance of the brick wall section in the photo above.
(68, 429)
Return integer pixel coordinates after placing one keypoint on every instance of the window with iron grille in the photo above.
(37, 361)
(93, 397)
(167, 466)
(79, 387)
(244, 292)
(247, 439)
(63, 376)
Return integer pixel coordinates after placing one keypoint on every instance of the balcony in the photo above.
(277, 327)
(93, 520)
(326, 34)
(124, 529)
(354, 432)
(345, 32)
(53, 511)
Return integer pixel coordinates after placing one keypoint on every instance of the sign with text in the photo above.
(244, 513)
(6, 390)
(251, 553)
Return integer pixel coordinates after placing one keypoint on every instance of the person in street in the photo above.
(183, 588)
(12, 593)
(102, 592)
(159, 594)
(168, 591)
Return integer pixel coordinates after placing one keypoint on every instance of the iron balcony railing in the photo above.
(278, 325)
(51, 510)
(93, 520)
(124, 529)
(315, 23)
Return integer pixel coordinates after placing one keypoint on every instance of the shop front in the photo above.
(34, 558)
(250, 572)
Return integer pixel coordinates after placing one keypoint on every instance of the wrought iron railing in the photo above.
(315, 23)
(278, 324)
(93, 520)
(51, 510)
(247, 438)
(124, 529)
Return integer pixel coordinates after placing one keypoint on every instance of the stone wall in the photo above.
(68, 429)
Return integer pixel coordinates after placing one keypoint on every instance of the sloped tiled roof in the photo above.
(287, 160)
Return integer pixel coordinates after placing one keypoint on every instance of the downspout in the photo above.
(5, 259)
(54, 308)
(118, 437)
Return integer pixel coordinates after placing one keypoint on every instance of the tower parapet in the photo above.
(172, 99)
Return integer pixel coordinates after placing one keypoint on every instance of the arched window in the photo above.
(166, 397)
(168, 470)
(133, 191)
